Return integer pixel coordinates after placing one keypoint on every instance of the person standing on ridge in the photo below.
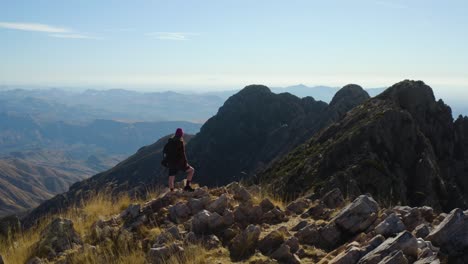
(175, 159)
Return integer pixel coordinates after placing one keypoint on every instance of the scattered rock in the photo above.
(179, 213)
(161, 254)
(56, 238)
(298, 206)
(350, 255)
(271, 242)
(205, 223)
(274, 216)
(132, 211)
(396, 257)
(452, 234)
(413, 218)
(211, 242)
(196, 205)
(244, 244)
(422, 231)
(390, 226)
(266, 205)
(219, 205)
(246, 214)
(333, 198)
(293, 244)
(283, 254)
(300, 225)
(358, 215)
(169, 235)
(404, 241)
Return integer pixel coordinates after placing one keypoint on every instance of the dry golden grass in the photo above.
(275, 198)
(18, 248)
(195, 254)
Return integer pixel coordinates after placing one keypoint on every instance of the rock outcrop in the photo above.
(401, 146)
(361, 231)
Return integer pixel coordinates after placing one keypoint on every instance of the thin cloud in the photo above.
(33, 27)
(172, 35)
(56, 32)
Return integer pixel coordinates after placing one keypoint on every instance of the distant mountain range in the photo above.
(39, 159)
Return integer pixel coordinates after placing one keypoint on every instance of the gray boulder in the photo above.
(422, 231)
(396, 257)
(56, 238)
(350, 255)
(274, 216)
(132, 211)
(284, 255)
(219, 205)
(179, 213)
(1, 260)
(271, 242)
(333, 199)
(198, 204)
(452, 234)
(245, 243)
(390, 226)
(358, 215)
(298, 206)
(206, 222)
(404, 241)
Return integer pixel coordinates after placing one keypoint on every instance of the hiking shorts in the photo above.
(174, 170)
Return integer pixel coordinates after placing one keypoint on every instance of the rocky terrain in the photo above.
(241, 224)
(402, 146)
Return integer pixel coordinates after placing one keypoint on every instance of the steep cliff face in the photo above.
(399, 146)
(256, 126)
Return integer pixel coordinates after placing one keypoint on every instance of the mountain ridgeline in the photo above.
(257, 126)
(401, 146)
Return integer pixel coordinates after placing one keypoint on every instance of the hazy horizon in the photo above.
(224, 45)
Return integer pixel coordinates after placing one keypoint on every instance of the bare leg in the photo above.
(171, 182)
(190, 171)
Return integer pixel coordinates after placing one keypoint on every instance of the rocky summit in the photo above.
(237, 223)
(255, 127)
(402, 146)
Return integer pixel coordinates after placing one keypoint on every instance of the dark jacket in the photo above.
(174, 153)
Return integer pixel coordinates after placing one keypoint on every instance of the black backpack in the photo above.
(168, 152)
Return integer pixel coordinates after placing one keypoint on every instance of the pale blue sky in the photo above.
(228, 44)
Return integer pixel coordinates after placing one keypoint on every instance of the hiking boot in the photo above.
(188, 188)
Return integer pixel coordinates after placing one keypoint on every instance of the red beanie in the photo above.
(179, 132)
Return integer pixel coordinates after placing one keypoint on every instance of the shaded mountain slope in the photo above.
(256, 126)
(401, 146)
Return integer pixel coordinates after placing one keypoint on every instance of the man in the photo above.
(175, 159)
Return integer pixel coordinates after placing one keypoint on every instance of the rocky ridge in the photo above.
(402, 146)
(237, 223)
